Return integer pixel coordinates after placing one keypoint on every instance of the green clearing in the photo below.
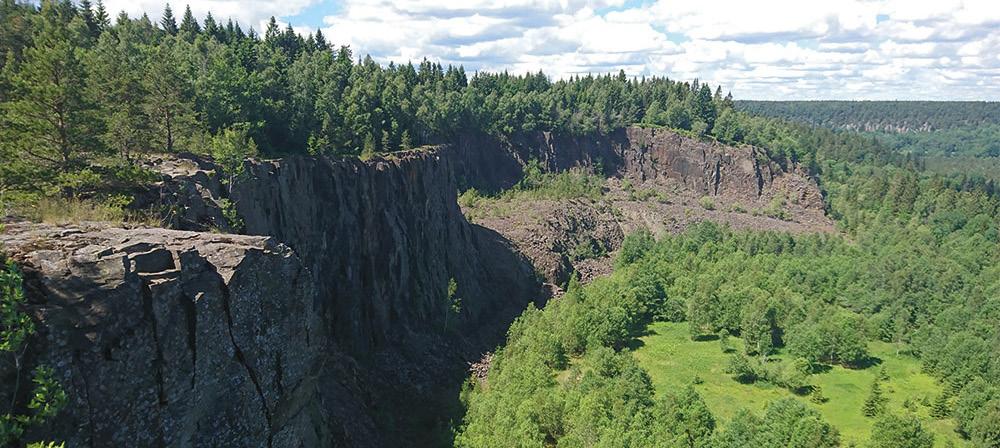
(673, 360)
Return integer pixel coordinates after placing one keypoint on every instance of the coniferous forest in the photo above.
(901, 297)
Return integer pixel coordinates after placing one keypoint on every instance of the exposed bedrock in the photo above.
(643, 155)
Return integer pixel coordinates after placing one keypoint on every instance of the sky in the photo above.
(769, 49)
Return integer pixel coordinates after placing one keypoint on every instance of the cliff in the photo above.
(642, 155)
(334, 329)
(330, 322)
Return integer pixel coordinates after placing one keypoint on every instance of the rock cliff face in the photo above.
(383, 239)
(658, 156)
(171, 338)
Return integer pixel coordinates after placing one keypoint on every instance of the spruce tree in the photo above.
(117, 69)
(817, 395)
(168, 23)
(87, 13)
(189, 26)
(940, 409)
(101, 16)
(875, 403)
(212, 28)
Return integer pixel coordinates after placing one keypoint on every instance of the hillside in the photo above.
(886, 116)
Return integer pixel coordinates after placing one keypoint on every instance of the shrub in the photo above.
(706, 203)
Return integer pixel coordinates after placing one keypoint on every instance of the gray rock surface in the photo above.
(172, 338)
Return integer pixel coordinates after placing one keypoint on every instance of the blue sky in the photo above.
(773, 49)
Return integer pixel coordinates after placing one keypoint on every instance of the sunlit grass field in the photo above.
(673, 360)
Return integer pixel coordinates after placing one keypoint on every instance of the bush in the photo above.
(706, 203)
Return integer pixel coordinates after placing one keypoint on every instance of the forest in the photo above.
(880, 115)
(916, 269)
(912, 272)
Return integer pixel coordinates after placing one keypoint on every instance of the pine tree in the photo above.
(169, 100)
(875, 403)
(168, 23)
(117, 68)
(48, 119)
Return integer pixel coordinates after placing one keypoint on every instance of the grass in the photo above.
(61, 211)
(575, 183)
(673, 360)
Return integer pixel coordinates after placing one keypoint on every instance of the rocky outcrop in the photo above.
(334, 327)
(172, 338)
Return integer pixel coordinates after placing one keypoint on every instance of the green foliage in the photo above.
(230, 148)
(985, 427)
(453, 301)
(634, 247)
(974, 397)
(706, 203)
(875, 403)
(786, 423)
(47, 396)
(15, 325)
(886, 115)
(571, 184)
(233, 218)
(830, 336)
(588, 249)
(673, 359)
(816, 396)
(893, 431)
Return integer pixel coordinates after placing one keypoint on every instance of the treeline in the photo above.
(85, 97)
(893, 116)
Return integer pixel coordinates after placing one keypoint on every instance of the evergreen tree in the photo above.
(89, 19)
(212, 28)
(168, 101)
(985, 427)
(817, 395)
(875, 403)
(941, 409)
(117, 68)
(320, 41)
(189, 25)
(404, 141)
(101, 16)
(168, 23)
(48, 119)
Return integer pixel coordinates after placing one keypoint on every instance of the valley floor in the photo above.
(673, 361)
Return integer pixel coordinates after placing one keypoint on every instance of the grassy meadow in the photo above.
(673, 360)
